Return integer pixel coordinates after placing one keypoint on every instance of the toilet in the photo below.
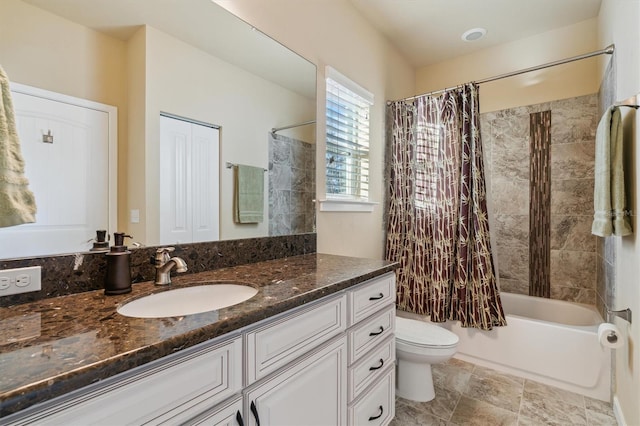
(418, 345)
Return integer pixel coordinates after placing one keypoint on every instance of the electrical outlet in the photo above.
(20, 280)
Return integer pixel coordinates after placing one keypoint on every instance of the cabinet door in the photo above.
(226, 414)
(170, 392)
(310, 392)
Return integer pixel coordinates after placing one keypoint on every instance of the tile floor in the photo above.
(467, 394)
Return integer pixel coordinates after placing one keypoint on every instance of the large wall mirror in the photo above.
(189, 59)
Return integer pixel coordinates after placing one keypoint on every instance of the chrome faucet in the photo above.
(164, 263)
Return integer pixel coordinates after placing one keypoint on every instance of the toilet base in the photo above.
(414, 381)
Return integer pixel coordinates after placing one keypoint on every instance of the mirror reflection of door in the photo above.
(189, 181)
(65, 146)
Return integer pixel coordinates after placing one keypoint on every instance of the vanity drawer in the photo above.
(225, 414)
(365, 336)
(172, 391)
(279, 342)
(377, 406)
(371, 297)
(371, 367)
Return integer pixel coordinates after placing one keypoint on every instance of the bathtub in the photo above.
(549, 341)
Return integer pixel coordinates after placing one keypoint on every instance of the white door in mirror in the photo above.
(187, 301)
(189, 182)
(68, 173)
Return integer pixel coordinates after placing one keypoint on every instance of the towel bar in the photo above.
(230, 165)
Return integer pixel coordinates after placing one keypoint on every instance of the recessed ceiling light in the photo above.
(474, 34)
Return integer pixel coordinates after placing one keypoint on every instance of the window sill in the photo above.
(336, 205)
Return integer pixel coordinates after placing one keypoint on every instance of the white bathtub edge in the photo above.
(617, 411)
(508, 349)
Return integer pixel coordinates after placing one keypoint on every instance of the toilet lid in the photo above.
(421, 333)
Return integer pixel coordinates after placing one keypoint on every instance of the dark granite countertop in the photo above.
(53, 346)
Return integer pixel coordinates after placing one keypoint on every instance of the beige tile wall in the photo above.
(573, 249)
(605, 247)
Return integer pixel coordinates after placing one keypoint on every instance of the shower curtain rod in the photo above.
(277, 129)
(607, 50)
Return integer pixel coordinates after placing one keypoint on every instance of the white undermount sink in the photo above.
(187, 300)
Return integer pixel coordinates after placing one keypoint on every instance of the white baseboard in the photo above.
(617, 411)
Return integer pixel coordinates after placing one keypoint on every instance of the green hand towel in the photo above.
(248, 194)
(17, 203)
(610, 212)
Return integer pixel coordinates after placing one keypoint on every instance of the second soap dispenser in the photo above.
(118, 279)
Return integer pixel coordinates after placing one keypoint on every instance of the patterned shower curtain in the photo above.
(438, 229)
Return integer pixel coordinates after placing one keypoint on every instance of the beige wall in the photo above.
(619, 23)
(334, 33)
(565, 81)
(41, 49)
(131, 158)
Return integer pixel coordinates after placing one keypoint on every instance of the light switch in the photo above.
(135, 216)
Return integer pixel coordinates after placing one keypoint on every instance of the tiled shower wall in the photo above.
(573, 249)
(606, 248)
(292, 171)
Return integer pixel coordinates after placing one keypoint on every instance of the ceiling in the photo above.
(429, 31)
(425, 31)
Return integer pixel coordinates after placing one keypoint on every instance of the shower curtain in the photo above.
(437, 227)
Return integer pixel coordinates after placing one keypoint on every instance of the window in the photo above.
(427, 165)
(347, 146)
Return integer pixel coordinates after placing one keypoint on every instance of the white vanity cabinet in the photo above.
(277, 342)
(330, 362)
(372, 355)
(171, 390)
(295, 368)
(343, 371)
(228, 413)
(312, 392)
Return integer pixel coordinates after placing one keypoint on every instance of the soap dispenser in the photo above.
(100, 243)
(118, 279)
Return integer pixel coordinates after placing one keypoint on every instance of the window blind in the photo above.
(347, 144)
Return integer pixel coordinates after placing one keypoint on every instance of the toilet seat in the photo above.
(423, 334)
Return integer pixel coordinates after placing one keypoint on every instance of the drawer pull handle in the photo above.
(377, 297)
(239, 418)
(254, 410)
(378, 367)
(377, 332)
(379, 415)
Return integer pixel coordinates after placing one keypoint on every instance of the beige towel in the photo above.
(17, 203)
(248, 194)
(611, 216)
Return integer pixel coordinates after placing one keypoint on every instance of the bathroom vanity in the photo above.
(314, 346)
